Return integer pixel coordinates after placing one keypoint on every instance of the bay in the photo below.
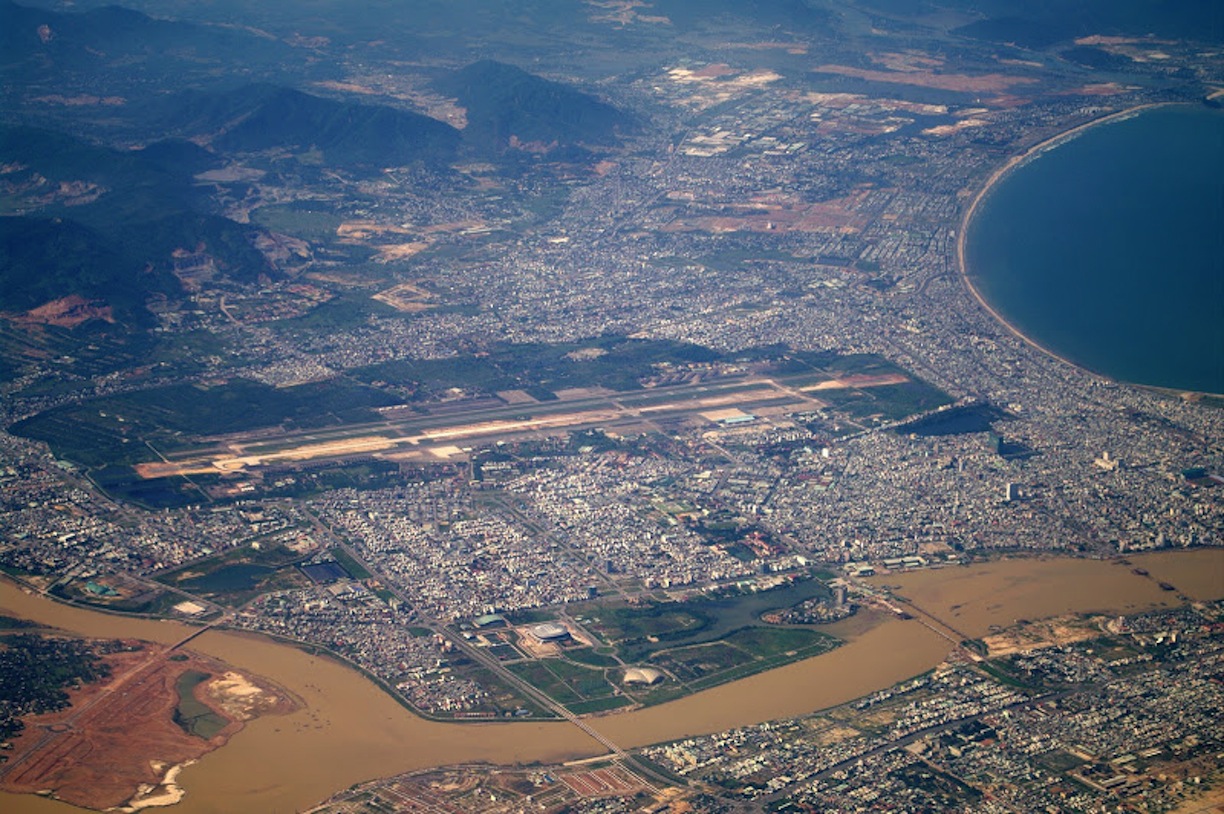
(1108, 248)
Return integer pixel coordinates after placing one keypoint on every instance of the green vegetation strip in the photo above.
(599, 705)
(349, 564)
(743, 653)
(591, 658)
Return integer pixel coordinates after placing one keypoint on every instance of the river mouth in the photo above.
(349, 731)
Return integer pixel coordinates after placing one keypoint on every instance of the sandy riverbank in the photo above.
(167, 793)
(347, 730)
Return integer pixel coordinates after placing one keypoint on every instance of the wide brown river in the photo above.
(349, 730)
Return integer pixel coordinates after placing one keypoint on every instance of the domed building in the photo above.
(550, 632)
(643, 675)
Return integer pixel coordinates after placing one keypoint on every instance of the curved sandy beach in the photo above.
(998, 175)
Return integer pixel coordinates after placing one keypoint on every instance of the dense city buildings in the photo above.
(572, 429)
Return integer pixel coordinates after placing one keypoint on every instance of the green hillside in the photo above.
(263, 117)
(105, 224)
(42, 259)
(504, 103)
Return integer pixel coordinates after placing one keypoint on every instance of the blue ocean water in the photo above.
(1109, 249)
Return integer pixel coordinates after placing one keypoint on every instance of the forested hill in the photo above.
(263, 117)
(113, 225)
(506, 104)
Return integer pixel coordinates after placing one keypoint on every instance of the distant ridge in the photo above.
(179, 155)
(790, 14)
(507, 105)
(263, 117)
(1042, 23)
(117, 38)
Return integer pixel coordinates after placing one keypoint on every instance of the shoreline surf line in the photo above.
(1013, 163)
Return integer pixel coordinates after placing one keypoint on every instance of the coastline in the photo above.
(1013, 163)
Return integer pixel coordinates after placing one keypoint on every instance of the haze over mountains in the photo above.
(110, 44)
(286, 89)
(349, 134)
(118, 225)
(1047, 22)
(107, 224)
(508, 105)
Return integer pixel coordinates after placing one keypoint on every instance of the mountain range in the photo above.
(121, 44)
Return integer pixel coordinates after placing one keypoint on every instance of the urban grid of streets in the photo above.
(830, 264)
